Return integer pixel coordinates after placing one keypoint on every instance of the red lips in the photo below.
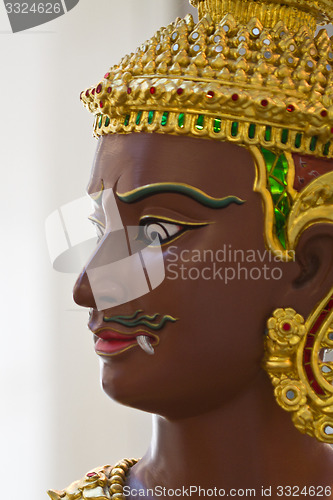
(110, 343)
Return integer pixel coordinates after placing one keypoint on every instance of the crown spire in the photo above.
(266, 80)
(293, 13)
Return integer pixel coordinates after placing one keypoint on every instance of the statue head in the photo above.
(217, 137)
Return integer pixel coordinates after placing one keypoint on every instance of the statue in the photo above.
(217, 138)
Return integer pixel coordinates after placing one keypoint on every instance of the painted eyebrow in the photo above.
(178, 187)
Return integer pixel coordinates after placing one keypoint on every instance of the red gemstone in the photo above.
(310, 341)
(101, 104)
(93, 91)
(235, 97)
(129, 90)
(286, 327)
(330, 304)
(210, 94)
(323, 113)
(87, 93)
(91, 474)
(316, 387)
(318, 323)
(152, 90)
(331, 130)
(307, 356)
(309, 373)
(81, 96)
(180, 91)
(99, 88)
(106, 75)
(264, 102)
(291, 108)
(109, 89)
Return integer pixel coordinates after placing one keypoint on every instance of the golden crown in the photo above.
(250, 71)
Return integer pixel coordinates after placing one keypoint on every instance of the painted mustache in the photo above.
(154, 322)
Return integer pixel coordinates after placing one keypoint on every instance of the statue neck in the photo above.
(248, 443)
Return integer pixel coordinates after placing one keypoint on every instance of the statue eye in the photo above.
(165, 231)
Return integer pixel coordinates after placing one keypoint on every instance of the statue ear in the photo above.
(314, 255)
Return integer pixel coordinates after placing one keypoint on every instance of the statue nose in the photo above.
(110, 292)
(97, 287)
(82, 292)
(114, 275)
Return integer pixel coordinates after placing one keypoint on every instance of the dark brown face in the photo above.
(214, 348)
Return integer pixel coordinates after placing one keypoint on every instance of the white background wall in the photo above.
(56, 423)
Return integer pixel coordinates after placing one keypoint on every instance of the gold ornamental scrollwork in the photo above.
(312, 205)
(296, 363)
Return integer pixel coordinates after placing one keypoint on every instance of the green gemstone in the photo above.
(127, 119)
(268, 133)
(151, 117)
(165, 117)
(269, 158)
(282, 238)
(217, 125)
(276, 188)
(298, 140)
(279, 174)
(313, 143)
(138, 118)
(181, 120)
(283, 205)
(284, 136)
(107, 121)
(100, 121)
(277, 168)
(200, 122)
(326, 149)
(283, 162)
(234, 129)
(279, 220)
(252, 131)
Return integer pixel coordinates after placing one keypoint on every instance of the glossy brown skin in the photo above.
(217, 423)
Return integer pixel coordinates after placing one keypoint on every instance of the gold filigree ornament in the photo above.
(297, 361)
(102, 483)
(249, 72)
(312, 205)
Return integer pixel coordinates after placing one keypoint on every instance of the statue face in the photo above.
(215, 346)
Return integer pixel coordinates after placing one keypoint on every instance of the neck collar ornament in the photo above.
(101, 483)
(250, 72)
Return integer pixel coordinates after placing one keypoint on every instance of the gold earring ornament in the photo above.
(297, 361)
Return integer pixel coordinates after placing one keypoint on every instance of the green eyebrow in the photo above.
(178, 187)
